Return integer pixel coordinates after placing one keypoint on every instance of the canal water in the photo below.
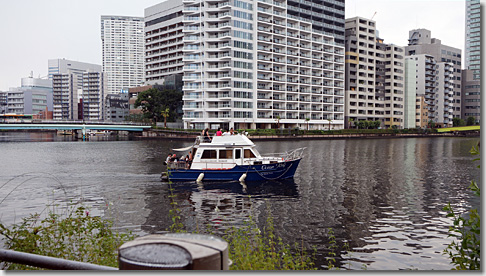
(382, 198)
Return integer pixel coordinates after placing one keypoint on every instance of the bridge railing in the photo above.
(37, 121)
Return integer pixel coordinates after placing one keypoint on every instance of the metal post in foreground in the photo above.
(182, 251)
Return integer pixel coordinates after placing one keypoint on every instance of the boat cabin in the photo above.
(226, 152)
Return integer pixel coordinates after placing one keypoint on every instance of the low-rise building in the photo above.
(3, 102)
(31, 98)
(116, 107)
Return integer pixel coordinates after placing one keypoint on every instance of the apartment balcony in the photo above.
(191, 10)
(187, 88)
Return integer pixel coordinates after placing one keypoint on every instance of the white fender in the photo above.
(200, 177)
(242, 177)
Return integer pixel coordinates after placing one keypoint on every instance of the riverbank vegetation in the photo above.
(155, 101)
(465, 250)
(297, 131)
(73, 234)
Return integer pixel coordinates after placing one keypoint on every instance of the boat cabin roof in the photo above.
(229, 140)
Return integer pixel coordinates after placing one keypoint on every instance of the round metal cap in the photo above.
(154, 256)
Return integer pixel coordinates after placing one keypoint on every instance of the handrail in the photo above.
(48, 262)
(151, 252)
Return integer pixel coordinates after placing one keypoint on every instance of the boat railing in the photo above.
(179, 165)
(289, 155)
(202, 139)
(295, 154)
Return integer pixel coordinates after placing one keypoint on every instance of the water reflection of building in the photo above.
(397, 208)
(214, 205)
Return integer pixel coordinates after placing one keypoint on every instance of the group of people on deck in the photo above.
(177, 162)
(207, 138)
(173, 159)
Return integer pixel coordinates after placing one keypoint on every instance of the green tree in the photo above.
(431, 124)
(351, 122)
(470, 121)
(155, 101)
(307, 121)
(458, 122)
(165, 114)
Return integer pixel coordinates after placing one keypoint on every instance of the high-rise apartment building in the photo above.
(94, 87)
(66, 96)
(122, 42)
(421, 42)
(326, 16)
(247, 64)
(163, 42)
(375, 76)
(67, 85)
(434, 90)
(410, 108)
(64, 66)
(471, 95)
(473, 38)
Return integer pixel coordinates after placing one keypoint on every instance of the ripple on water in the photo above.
(383, 196)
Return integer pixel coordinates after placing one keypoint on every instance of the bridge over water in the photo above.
(74, 126)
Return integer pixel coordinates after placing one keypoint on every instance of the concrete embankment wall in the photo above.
(166, 134)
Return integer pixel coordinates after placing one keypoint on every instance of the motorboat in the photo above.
(231, 158)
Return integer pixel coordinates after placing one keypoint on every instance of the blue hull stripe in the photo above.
(254, 172)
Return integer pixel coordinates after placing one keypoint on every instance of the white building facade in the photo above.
(122, 39)
(67, 85)
(422, 42)
(163, 41)
(246, 64)
(94, 87)
(249, 64)
(473, 37)
(434, 82)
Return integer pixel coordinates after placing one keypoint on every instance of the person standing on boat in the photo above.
(167, 160)
(219, 132)
(232, 132)
(206, 135)
(187, 161)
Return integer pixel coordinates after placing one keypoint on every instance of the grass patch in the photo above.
(464, 128)
(76, 236)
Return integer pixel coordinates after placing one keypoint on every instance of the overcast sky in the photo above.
(33, 31)
(394, 18)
